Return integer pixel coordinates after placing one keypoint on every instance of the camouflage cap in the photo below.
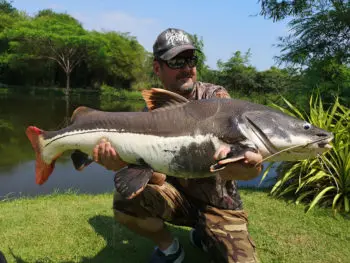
(172, 42)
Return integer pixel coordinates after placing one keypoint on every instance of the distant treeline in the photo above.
(54, 50)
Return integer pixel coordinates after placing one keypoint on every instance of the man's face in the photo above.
(177, 80)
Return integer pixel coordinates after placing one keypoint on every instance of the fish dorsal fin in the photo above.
(161, 99)
(80, 111)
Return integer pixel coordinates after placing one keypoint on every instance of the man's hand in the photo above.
(157, 178)
(108, 157)
(247, 169)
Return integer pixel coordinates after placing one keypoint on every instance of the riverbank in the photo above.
(71, 227)
(107, 93)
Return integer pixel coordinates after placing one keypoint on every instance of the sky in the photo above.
(226, 26)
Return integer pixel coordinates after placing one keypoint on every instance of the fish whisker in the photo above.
(287, 149)
(278, 152)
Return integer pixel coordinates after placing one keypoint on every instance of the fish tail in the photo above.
(42, 169)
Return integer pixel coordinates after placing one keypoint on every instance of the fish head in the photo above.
(281, 137)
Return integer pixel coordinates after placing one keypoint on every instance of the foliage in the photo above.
(330, 78)
(57, 37)
(279, 10)
(6, 7)
(324, 180)
(275, 80)
(237, 74)
(53, 48)
(118, 59)
(319, 43)
(243, 80)
(199, 44)
(319, 36)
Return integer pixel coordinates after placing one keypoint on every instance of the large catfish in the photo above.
(179, 137)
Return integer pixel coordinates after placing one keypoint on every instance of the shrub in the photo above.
(324, 180)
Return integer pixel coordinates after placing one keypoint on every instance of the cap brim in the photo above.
(175, 51)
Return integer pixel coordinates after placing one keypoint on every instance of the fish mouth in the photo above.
(323, 143)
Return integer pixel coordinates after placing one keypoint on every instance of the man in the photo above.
(211, 206)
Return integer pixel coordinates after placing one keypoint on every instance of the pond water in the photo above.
(17, 164)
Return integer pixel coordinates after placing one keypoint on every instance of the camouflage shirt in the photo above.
(209, 191)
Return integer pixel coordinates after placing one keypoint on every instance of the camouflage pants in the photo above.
(223, 232)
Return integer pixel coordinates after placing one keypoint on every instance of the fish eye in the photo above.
(307, 126)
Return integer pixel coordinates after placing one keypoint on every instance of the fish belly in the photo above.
(180, 156)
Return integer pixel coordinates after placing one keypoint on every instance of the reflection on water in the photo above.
(49, 113)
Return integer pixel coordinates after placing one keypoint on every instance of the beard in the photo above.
(184, 82)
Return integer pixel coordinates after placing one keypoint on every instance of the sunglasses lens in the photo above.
(177, 63)
(192, 62)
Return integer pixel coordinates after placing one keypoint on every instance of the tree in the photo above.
(199, 44)
(330, 78)
(51, 36)
(6, 7)
(274, 80)
(118, 59)
(272, 9)
(320, 30)
(319, 43)
(237, 74)
(9, 16)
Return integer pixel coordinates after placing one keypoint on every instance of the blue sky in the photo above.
(225, 25)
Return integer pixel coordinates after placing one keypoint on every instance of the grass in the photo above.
(72, 227)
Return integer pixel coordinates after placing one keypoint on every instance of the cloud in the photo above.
(143, 28)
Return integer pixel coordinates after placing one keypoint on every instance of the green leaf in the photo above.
(346, 204)
(319, 196)
(266, 172)
(303, 195)
(335, 200)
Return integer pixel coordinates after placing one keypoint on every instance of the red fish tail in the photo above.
(42, 169)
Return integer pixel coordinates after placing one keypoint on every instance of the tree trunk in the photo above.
(67, 96)
(67, 108)
(67, 83)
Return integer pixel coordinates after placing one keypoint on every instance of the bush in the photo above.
(324, 180)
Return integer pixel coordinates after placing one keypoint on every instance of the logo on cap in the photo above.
(174, 37)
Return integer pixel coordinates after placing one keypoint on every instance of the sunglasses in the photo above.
(179, 62)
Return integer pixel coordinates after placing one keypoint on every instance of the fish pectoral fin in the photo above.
(80, 160)
(221, 164)
(132, 179)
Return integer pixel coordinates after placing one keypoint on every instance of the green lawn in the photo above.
(80, 228)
